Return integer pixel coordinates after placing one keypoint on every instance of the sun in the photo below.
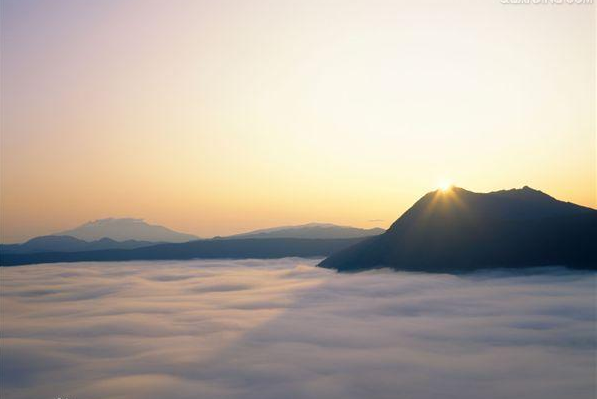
(444, 185)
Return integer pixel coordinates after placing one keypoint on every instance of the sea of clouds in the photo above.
(286, 329)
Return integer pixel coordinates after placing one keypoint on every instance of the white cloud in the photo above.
(284, 328)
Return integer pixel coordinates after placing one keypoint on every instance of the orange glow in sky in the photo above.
(216, 117)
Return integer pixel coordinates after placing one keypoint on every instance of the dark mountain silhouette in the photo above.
(126, 229)
(311, 230)
(264, 248)
(459, 230)
(70, 244)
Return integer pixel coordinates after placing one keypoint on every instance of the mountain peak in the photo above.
(458, 203)
(106, 221)
(525, 190)
(456, 227)
(123, 229)
(106, 240)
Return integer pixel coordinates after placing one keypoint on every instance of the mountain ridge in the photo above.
(53, 243)
(259, 248)
(309, 230)
(123, 229)
(459, 229)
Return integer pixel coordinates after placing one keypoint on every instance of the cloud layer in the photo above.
(286, 329)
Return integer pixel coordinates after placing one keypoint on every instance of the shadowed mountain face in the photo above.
(459, 230)
(311, 230)
(126, 229)
(69, 244)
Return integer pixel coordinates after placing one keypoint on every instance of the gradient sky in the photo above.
(215, 117)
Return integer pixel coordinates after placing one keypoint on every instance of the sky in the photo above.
(217, 117)
(270, 329)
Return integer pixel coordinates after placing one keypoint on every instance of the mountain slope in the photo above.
(126, 229)
(459, 230)
(311, 230)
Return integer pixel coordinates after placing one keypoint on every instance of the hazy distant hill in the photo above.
(135, 227)
(126, 229)
(70, 244)
(460, 230)
(263, 248)
(311, 230)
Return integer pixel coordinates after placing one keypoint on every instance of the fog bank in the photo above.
(287, 329)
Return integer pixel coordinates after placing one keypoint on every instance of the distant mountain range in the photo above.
(264, 248)
(445, 231)
(311, 230)
(126, 229)
(111, 230)
(459, 230)
(70, 244)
